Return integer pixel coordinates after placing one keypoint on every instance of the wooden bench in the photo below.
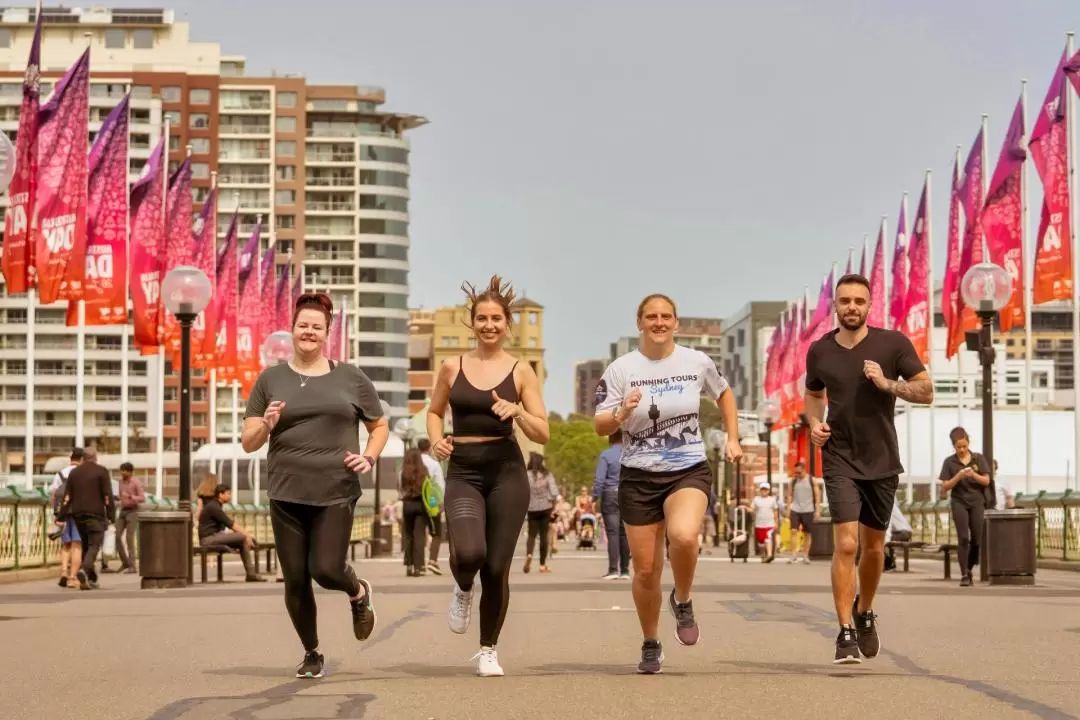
(948, 549)
(365, 543)
(220, 550)
(904, 546)
(271, 556)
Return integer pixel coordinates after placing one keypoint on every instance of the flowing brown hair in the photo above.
(413, 472)
(497, 291)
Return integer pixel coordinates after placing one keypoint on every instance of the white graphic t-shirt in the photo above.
(662, 434)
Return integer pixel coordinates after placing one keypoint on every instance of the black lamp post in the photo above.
(186, 291)
(986, 288)
(377, 538)
(769, 414)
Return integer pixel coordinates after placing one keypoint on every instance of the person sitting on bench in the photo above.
(217, 528)
(899, 530)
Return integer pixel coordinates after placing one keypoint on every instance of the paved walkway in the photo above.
(569, 647)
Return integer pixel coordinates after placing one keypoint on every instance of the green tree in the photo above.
(554, 417)
(709, 416)
(571, 453)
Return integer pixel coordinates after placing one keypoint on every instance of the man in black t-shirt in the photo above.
(217, 528)
(862, 370)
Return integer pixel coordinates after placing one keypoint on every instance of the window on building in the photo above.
(169, 418)
(285, 124)
(286, 172)
(286, 100)
(285, 197)
(285, 222)
(200, 146)
(171, 94)
(199, 121)
(5, 38)
(533, 318)
(142, 39)
(199, 96)
(115, 39)
(174, 118)
(286, 148)
(142, 92)
(200, 171)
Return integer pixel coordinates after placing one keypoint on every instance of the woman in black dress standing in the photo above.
(965, 475)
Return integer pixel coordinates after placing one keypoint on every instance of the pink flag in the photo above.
(227, 303)
(850, 261)
(148, 250)
(950, 287)
(105, 286)
(178, 244)
(876, 317)
(1049, 147)
(18, 250)
(862, 261)
(1072, 70)
(247, 317)
(268, 297)
(204, 257)
(823, 310)
(898, 291)
(332, 349)
(283, 299)
(59, 234)
(917, 303)
(1002, 218)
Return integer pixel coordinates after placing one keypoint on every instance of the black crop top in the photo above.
(471, 407)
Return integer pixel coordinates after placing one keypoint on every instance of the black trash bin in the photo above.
(1008, 551)
(821, 538)
(164, 558)
(382, 538)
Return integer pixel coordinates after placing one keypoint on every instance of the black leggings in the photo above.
(539, 524)
(414, 536)
(487, 496)
(969, 529)
(312, 544)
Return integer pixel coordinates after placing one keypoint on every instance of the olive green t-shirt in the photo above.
(320, 422)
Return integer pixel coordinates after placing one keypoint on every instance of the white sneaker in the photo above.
(611, 576)
(487, 663)
(460, 610)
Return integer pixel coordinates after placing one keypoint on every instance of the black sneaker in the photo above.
(363, 613)
(311, 667)
(847, 647)
(966, 581)
(652, 658)
(866, 629)
(63, 581)
(84, 580)
(686, 628)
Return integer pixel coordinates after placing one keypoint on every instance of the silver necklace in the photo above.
(303, 380)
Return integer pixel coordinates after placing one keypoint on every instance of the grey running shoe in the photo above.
(311, 667)
(652, 658)
(686, 629)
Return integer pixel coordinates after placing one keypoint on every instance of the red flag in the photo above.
(59, 234)
(282, 298)
(249, 316)
(950, 287)
(876, 318)
(917, 303)
(178, 244)
(1049, 147)
(204, 257)
(268, 297)
(1002, 218)
(148, 250)
(898, 291)
(18, 251)
(772, 358)
(105, 286)
(227, 302)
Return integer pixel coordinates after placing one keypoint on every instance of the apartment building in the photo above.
(323, 166)
(421, 358)
(587, 374)
(744, 342)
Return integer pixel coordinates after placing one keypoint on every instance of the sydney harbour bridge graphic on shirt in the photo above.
(667, 438)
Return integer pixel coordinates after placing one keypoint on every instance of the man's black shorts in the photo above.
(868, 502)
(642, 493)
(802, 521)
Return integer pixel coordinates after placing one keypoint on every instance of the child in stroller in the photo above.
(587, 531)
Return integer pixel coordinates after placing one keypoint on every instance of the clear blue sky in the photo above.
(717, 151)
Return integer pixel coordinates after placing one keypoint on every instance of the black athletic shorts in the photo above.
(642, 493)
(801, 521)
(868, 502)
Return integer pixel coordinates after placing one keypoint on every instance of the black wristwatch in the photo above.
(371, 460)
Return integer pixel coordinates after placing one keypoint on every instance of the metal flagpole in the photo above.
(159, 470)
(1075, 262)
(1027, 279)
(211, 384)
(958, 315)
(31, 331)
(125, 375)
(928, 224)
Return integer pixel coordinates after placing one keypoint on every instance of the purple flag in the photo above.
(1072, 70)
(1002, 217)
(898, 293)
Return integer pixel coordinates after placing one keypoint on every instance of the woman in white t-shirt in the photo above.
(653, 395)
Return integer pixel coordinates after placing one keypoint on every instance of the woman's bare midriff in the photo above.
(470, 439)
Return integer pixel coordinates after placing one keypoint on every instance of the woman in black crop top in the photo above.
(487, 490)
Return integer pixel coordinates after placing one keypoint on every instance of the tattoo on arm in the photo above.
(919, 390)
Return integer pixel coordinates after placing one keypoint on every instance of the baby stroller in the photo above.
(587, 536)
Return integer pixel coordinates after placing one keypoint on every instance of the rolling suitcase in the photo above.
(738, 536)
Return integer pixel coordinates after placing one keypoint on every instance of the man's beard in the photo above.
(849, 323)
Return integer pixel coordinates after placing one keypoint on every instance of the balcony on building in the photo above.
(244, 101)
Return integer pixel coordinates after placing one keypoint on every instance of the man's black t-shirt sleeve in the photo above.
(908, 363)
(814, 383)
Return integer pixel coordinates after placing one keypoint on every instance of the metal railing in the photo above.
(26, 518)
(1057, 523)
